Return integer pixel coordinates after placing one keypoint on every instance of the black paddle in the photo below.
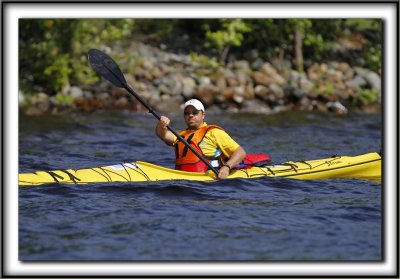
(105, 66)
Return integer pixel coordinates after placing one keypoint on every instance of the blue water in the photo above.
(241, 219)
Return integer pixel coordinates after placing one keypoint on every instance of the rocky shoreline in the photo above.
(165, 80)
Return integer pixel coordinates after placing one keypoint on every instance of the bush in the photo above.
(53, 52)
(367, 96)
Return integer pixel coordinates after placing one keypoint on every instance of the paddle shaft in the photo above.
(134, 94)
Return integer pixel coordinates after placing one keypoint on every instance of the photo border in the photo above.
(11, 11)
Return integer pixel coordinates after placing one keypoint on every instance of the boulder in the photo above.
(272, 73)
(314, 72)
(261, 78)
(373, 80)
(225, 95)
(242, 65)
(255, 106)
(75, 92)
(206, 94)
(242, 77)
(357, 82)
(121, 103)
(249, 91)
(238, 94)
(337, 107)
(204, 80)
(188, 87)
(276, 90)
(221, 83)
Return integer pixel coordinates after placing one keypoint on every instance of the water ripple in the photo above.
(258, 219)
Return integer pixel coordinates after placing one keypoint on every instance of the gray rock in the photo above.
(188, 87)
(204, 80)
(261, 91)
(255, 106)
(337, 107)
(238, 94)
(357, 82)
(261, 78)
(172, 104)
(373, 79)
(164, 89)
(257, 64)
(276, 90)
(75, 92)
(242, 77)
(206, 94)
(242, 65)
(305, 84)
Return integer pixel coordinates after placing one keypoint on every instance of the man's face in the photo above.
(194, 118)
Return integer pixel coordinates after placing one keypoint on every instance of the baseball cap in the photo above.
(196, 103)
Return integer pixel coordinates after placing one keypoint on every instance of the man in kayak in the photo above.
(211, 141)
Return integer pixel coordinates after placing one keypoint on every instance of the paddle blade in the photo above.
(106, 67)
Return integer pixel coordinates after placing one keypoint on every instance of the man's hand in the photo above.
(223, 172)
(236, 157)
(164, 122)
(162, 131)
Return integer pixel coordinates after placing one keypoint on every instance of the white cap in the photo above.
(196, 103)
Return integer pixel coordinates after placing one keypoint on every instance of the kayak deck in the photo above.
(366, 166)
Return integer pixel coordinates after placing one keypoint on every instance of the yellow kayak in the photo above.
(366, 166)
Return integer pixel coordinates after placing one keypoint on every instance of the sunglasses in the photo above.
(195, 112)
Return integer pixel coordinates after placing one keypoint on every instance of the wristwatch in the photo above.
(226, 165)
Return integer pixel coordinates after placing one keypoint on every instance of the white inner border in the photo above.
(14, 11)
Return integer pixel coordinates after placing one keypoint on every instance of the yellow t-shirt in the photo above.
(217, 142)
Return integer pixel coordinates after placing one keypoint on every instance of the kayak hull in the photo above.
(366, 166)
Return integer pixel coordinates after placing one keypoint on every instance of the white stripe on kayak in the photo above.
(124, 166)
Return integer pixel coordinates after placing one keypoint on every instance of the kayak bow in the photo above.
(366, 166)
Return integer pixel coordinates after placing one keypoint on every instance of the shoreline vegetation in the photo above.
(261, 66)
(165, 80)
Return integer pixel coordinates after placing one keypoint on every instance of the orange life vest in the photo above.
(186, 160)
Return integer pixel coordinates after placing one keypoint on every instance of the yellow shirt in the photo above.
(216, 142)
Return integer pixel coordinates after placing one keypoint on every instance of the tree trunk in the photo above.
(223, 56)
(298, 48)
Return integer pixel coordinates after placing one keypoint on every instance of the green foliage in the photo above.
(209, 62)
(275, 37)
(329, 89)
(370, 56)
(53, 51)
(324, 88)
(317, 36)
(59, 71)
(156, 28)
(303, 25)
(367, 96)
(64, 100)
(356, 24)
(231, 34)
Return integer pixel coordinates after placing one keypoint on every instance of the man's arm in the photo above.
(162, 131)
(236, 157)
